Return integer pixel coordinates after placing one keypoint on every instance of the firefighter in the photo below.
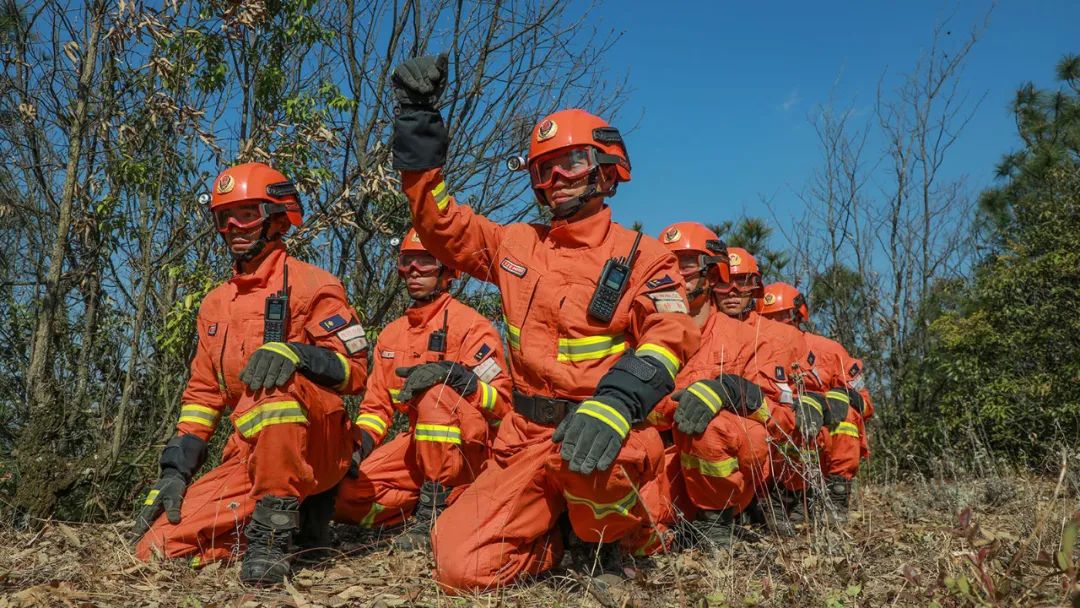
(839, 375)
(597, 325)
(278, 344)
(796, 431)
(442, 365)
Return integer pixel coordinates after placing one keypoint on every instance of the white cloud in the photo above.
(792, 100)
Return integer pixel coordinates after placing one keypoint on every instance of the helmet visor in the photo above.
(244, 216)
(570, 163)
(742, 284)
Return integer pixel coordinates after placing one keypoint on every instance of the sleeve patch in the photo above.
(333, 323)
(488, 370)
(779, 373)
(810, 358)
(854, 371)
(669, 301)
(212, 329)
(660, 282)
(353, 338)
(857, 384)
(787, 396)
(484, 351)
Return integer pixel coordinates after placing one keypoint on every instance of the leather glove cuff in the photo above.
(420, 140)
(635, 383)
(321, 365)
(183, 455)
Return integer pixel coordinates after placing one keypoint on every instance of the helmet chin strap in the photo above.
(571, 208)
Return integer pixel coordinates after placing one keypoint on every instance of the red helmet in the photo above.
(412, 244)
(781, 297)
(695, 238)
(575, 143)
(742, 263)
(259, 183)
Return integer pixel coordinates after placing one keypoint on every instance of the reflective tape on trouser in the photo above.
(603, 509)
(441, 195)
(590, 348)
(437, 433)
(369, 519)
(199, 414)
(661, 354)
(488, 396)
(267, 414)
(710, 468)
(707, 394)
(846, 428)
(372, 422)
(513, 335)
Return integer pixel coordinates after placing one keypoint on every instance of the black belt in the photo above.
(543, 410)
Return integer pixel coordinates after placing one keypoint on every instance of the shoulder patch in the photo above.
(483, 352)
(779, 373)
(513, 267)
(353, 338)
(333, 323)
(660, 282)
(668, 301)
(487, 371)
(854, 371)
(810, 358)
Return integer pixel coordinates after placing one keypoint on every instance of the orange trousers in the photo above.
(846, 447)
(284, 459)
(504, 525)
(723, 465)
(448, 443)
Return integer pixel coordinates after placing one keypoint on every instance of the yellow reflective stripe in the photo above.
(488, 396)
(151, 496)
(282, 349)
(847, 428)
(372, 422)
(813, 403)
(437, 433)
(762, 413)
(655, 418)
(441, 196)
(591, 347)
(267, 414)
(373, 512)
(195, 562)
(603, 509)
(710, 468)
(394, 392)
(839, 396)
(705, 393)
(606, 414)
(199, 414)
(345, 367)
(513, 335)
(665, 356)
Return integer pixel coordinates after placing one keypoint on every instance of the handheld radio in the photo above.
(437, 340)
(611, 285)
(276, 312)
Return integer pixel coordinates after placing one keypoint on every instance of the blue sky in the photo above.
(722, 90)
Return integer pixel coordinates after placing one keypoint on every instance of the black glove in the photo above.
(636, 383)
(810, 415)
(419, 378)
(420, 81)
(362, 451)
(269, 366)
(699, 403)
(592, 435)
(180, 460)
(275, 362)
(854, 398)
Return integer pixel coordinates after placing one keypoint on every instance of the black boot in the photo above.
(772, 514)
(715, 528)
(269, 535)
(799, 506)
(313, 540)
(600, 561)
(432, 501)
(839, 496)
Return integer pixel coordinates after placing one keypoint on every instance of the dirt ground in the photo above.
(986, 542)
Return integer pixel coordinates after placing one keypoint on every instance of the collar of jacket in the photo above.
(269, 267)
(421, 313)
(584, 233)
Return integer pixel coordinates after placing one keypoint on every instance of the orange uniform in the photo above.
(449, 435)
(500, 528)
(293, 440)
(834, 367)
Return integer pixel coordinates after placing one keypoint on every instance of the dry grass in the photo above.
(971, 543)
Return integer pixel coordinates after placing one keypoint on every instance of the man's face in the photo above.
(241, 226)
(734, 297)
(421, 273)
(690, 269)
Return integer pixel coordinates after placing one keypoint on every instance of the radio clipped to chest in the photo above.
(612, 284)
(276, 312)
